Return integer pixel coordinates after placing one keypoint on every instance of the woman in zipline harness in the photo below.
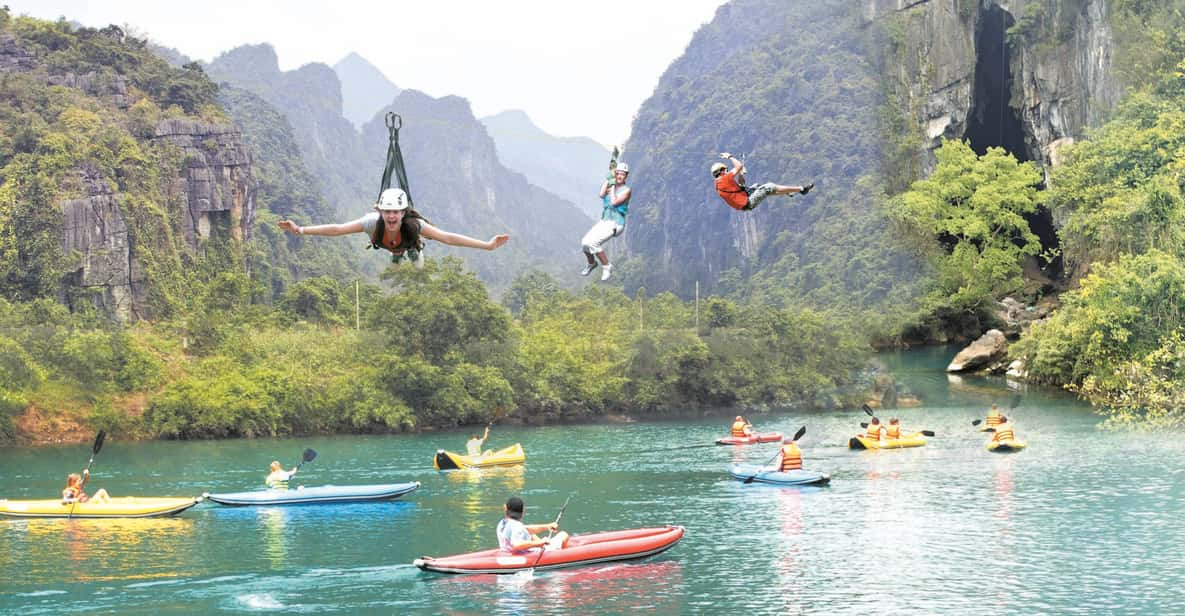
(397, 228)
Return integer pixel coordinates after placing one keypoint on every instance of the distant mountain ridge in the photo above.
(365, 89)
(571, 167)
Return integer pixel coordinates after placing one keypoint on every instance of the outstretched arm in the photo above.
(337, 229)
(456, 239)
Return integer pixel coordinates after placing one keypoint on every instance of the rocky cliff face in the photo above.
(1026, 75)
(214, 193)
(365, 89)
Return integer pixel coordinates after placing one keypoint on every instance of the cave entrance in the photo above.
(992, 122)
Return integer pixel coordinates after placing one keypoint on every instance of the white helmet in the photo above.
(717, 168)
(392, 199)
(622, 167)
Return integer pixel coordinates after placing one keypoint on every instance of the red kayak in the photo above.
(760, 437)
(581, 550)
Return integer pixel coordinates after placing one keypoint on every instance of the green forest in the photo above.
(274, 336)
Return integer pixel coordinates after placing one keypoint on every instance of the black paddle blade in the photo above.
(864, 424)
(867, 409)
(976, 422)
(798, 435)
(99, 438)
(309, 455)
(927, 433)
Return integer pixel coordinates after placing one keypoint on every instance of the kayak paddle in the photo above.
(797, 435)
(867, 409)
(99, 438)
(543, 548)
(308, 456)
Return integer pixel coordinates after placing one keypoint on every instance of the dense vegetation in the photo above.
(433, 350)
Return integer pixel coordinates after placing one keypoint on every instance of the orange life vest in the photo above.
(874, 432)
(791, 457)
(74, 493)
(1004, 433)
(738, 429)
(994, 418)
(893, 432)
(727, 187)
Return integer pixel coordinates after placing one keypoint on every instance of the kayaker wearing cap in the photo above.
(396, 228)
(73, 493)
(516, 537)
(791, 456)
(1003, 431)
(278, 479)
(893, 430)
(473, 445)
(993, 417)
(874, 429)
(730, 185)
(741, 428)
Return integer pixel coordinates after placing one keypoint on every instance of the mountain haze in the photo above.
(571, 167)
(365, 89)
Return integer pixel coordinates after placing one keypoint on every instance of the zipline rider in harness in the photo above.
(397, 228)
(730, 185)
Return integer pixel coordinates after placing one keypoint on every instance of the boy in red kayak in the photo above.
(518, 538)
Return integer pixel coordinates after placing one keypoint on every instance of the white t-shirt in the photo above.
(511, 533)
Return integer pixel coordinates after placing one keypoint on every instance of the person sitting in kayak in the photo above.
(730, 185)
(278, 479)
(993, 417)
(741, 428)
(473, 445)
(874, 429)
(791, 456)
(1003, 431)
(73, 492)
(397, 229)
(518, 538)
(893, 430)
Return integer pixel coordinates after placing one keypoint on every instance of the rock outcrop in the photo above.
(985, 354)
(215, 192)
(1053, 90)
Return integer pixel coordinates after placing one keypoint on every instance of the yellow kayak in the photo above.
(917, 439)
(1005, 446)
(123, 507)
(447, 460)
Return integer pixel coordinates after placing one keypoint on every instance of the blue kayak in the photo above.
(761, 474)
(318, 495)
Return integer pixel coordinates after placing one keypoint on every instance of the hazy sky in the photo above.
(577, 68)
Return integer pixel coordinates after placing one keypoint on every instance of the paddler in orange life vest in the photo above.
(993, 417)
(730, 185)
(893, 430)
(741, 428)
(791, 456)
(1003, 431)
(874, 429)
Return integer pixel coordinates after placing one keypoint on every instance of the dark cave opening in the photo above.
(992, 122)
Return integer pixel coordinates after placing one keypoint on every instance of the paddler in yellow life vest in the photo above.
(1003, 431)
(473, 445)
(741, 428)
(893, 430)
(278, 479)
(874, 429)
(994, 418)
(791, 456)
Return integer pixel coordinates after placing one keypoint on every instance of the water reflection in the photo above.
(652, 586)
(99, 549)
(273, 521)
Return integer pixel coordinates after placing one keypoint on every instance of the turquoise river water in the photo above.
(1083, 521)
